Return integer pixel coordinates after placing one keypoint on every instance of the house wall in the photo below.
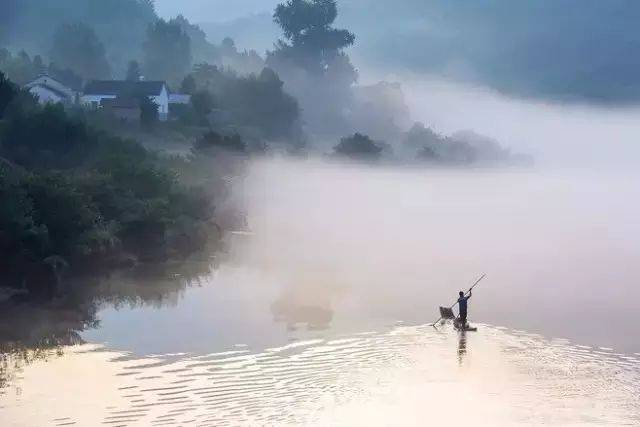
(45, 96)
(179, 98)
(162, 101)
(94, 100)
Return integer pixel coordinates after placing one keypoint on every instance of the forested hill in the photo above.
(120, 24)
(114, 29)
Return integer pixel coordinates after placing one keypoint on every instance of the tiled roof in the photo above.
(51, 89)
(123, 87)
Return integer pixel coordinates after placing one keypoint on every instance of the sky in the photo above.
(213, 10)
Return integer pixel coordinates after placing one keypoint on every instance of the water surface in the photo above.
(319, 315)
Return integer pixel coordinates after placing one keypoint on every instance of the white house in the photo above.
(179, 98)
(98, 90)
(51, 91)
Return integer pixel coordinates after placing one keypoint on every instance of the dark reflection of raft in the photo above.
(446, 313)
(467, 328)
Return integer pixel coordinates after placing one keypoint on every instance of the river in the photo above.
(319, 315)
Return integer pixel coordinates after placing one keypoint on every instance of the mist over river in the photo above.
(319, 314)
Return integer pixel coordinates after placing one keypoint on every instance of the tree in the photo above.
(256, 102)
(8, 92)
(20, 68)
(76, 46)
(167, 52)
(358, 146)
(38, 65)
(148, 111)
(261, 102)
(208, 77)
(202, 50)
(312, 62)
(188, 85)
(46, 138)
(133, 71)
(14, 101)
(311, 41)
(212, 142)
(202, 103)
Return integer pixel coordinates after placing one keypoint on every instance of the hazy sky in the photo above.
(213, 10)
(553, 49)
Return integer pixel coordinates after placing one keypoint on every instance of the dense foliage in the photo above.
(22, 69)
(167, 52)
(85, 197)
(312, 62)
(253, 104)
(461, 148)
(120, 24)
(77, 47)
(358, 147)
(134, 73)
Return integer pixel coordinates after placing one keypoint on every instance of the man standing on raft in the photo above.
(462, 309)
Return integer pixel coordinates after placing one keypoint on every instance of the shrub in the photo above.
(358, 146)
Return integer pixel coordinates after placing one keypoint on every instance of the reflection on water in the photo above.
(274, 330)
(462, 346)
(401, 376)
(28, 325)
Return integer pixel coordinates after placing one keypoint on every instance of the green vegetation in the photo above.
(133, 72)
(76, 188)
(77, 47)
(459, 149)
(22, 69)
(167, 52)
(312, 61)
(358, 147)
(73, 195)
(254, 105)
(121, 25)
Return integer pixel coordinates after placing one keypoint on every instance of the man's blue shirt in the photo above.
(462, 304)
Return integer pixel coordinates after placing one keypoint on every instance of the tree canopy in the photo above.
(358, 146)
(77, 47)
(310, 40)
(257, 102)
(167, 51)
(312, 62)
(70, 191)
(133, 71)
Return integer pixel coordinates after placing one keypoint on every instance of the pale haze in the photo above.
(576, 132)
(343, 197)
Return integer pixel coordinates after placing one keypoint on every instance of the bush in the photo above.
(149, 115)
(358, 146)
(211, 142)
(8, 91)
(46, 138)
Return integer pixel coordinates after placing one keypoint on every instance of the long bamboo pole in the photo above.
(468, 292)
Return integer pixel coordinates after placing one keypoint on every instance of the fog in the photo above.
(558, 247)
(586, 51)
(458, 71)
(557, 240)
(329, 175)
(561, 135)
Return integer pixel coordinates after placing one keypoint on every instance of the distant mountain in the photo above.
(547, 49)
